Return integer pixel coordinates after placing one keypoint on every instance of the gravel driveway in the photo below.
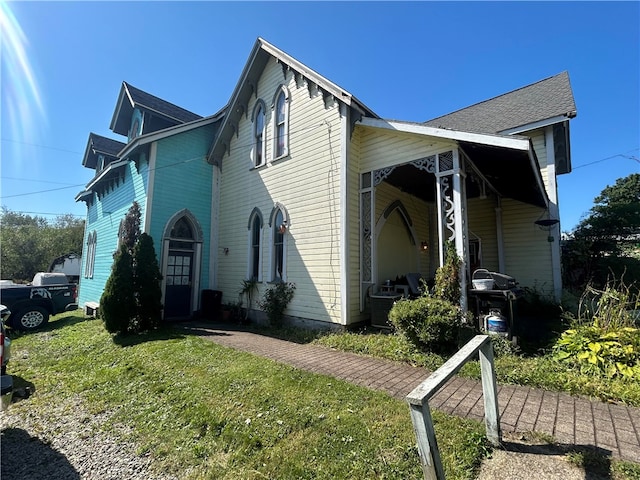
(65, 443)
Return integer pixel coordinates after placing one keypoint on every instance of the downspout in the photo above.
(213, 234)
(344, 217)
(552, 206)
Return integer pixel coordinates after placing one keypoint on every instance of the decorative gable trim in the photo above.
(246, 88)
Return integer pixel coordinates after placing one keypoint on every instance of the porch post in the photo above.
(451, 200)
(367, 237)
(460, 217)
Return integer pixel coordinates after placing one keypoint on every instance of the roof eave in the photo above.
(539, 124)
(262, 47)
(167, 132)
(513, 142)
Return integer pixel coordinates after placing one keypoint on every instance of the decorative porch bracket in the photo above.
(418, 401)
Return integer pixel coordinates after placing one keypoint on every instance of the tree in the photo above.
(146, 278)
(31, 243)
(118, 303)
(613, 223)
(131, 227)
(605, 245)
(133, 292)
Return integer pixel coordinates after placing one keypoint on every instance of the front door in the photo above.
(178, 278)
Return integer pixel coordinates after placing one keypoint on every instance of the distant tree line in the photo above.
(28, 244)
(605, 246)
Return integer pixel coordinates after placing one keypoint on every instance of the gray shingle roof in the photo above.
(144, 99)
(543, 100)
(105, 145)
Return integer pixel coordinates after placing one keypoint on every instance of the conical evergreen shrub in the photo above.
(147, 284)
(118, 303)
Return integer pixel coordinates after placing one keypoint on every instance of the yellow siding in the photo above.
(527, 251)
(353, 173)
(306, 183)
(481, 215)
(382, 148)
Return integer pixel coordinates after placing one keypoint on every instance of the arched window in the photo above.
(258, 135)
(92, 240)
(281, 124)
(279, 228)
(181, 234)
(254, 270)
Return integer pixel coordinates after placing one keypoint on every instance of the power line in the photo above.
(47, 213)
(34, 180)
(42, 191)
(623, 155)
(40, 146)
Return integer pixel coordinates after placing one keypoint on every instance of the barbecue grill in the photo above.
(494, 292)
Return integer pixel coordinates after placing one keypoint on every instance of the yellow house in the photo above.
(311, 187)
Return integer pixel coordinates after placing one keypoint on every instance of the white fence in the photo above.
(418, 401)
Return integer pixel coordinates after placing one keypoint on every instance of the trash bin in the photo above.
(210, 304)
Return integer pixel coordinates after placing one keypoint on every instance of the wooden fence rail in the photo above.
(418, 401)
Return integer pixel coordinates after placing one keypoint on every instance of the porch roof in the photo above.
(507, 163)
(541, 103)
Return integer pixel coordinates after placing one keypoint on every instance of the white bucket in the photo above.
(483, 283)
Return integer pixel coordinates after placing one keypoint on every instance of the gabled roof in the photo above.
(131, 97)
(544, 102)
(260, 54)
(99, 145)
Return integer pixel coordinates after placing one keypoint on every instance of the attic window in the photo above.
(281, 124)
(258, 136)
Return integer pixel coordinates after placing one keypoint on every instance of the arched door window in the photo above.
(183, 245)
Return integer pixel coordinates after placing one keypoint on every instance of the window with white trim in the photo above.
(254, 271)
(92, 240)
(278, 245)
(281, 124)
(259, 143)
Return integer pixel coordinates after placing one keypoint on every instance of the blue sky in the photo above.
(63, 64)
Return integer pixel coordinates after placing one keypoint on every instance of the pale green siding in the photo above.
(306, 183)
(103, 217)
(182, 180)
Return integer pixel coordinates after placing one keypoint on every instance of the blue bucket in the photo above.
(496, 324)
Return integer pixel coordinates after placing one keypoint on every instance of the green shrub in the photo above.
(430, 323)
(594, 351)
(118, 303)
(146, 279)
(503, 347)
(604, 340)
(275, 301)
(447, 281)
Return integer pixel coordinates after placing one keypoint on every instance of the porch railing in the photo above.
(418, 401)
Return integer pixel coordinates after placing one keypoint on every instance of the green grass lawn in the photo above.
(204, 411)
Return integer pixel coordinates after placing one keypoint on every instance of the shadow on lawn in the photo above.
(164, 332)
(207, 327)
(24, 456)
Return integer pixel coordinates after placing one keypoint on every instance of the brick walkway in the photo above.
(613, 429)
